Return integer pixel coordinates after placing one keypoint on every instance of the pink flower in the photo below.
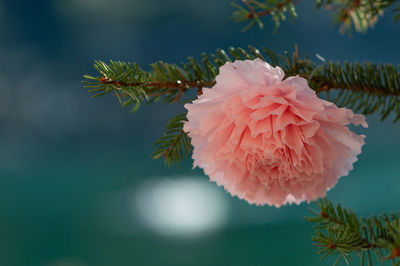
(269, 140)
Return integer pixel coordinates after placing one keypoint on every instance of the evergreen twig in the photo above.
(175, 143)
(350, 14)
(338, 231)
(255, 9)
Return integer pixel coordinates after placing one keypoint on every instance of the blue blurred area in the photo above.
(71, 168)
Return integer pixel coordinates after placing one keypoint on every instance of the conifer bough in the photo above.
(349, 14)
(340, 232)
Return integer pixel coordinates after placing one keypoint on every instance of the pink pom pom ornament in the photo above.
(268, 140)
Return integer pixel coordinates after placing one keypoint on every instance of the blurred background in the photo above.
(77, 184)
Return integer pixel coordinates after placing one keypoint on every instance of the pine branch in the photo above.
(356, 14)
(350, 14)
(121, 78)
(278, 11)
(365, 88)
(339, 232)
(175, 143)
(368, 88)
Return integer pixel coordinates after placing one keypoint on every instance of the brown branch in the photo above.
(346, 13)
(187, 84)
(323, 85)
(395, 253)
(168, 151)
(332, 245)
(330, 218)
(254, 13)
(153, 86)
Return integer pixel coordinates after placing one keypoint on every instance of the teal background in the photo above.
(70, 165)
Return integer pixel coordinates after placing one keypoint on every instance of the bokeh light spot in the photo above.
(185, 206)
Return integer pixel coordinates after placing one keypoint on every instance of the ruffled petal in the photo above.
(268, 140)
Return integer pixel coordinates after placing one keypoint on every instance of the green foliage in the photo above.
(349, 14)
(339, 232)
(121, 78)
(367, 88)
(175, 143)
(278, 10)
(356, 14)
